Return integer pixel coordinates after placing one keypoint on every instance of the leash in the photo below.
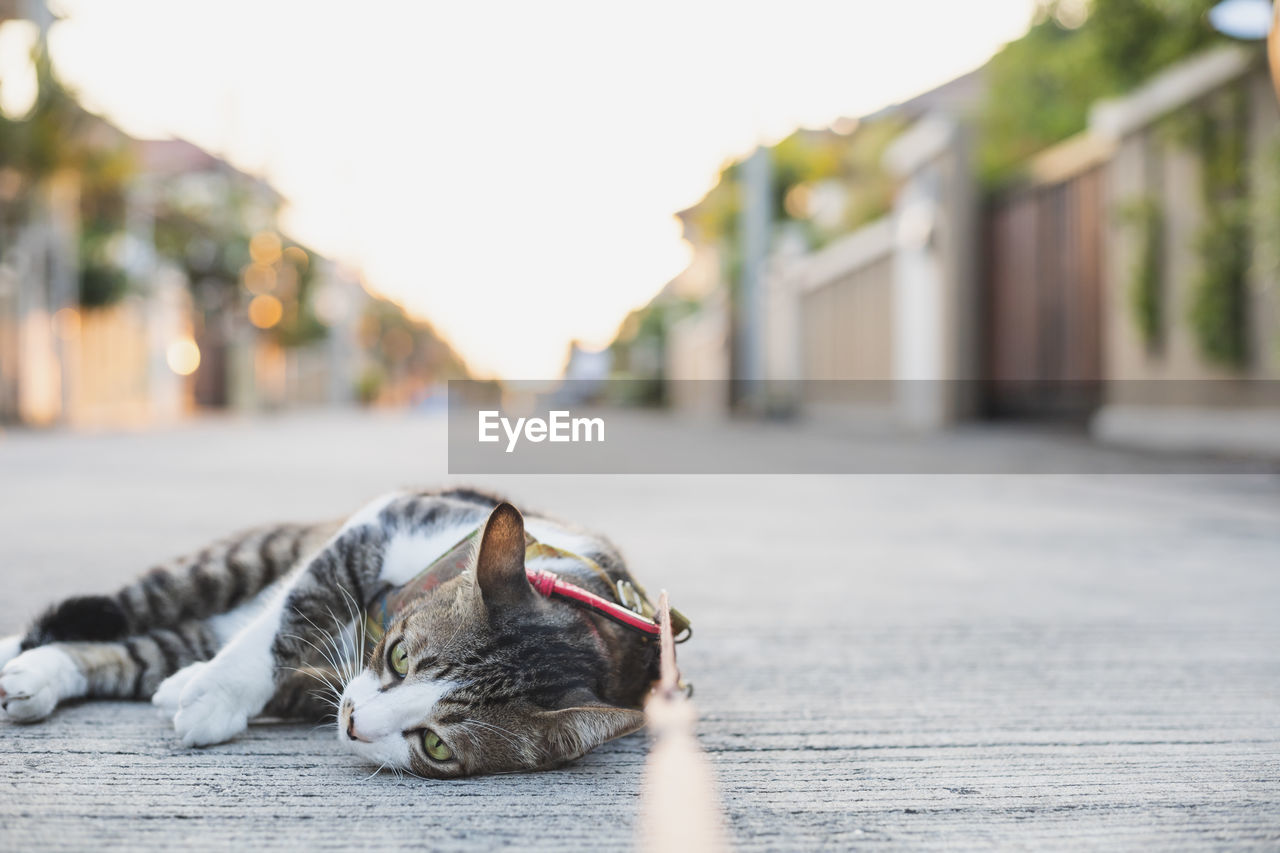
(632, 610)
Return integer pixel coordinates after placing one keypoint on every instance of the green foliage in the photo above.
(370, 383)
(46, 139)
(404, 346)
(299, 326)
(211, 247)
(807, 160)
(1266, 213)
(1218, 305)
(804, 163)
(1219, 297)
(56, 136)
(639, 347)
(102, 282)
(1040, 90)
(103, 173)
(1146, 297)
(1041, 87)
(1135, 38)
(824, 184)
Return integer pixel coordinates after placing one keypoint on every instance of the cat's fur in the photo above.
(507, 679)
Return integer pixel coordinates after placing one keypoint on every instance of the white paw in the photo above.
(10, 648)
(170, 690)
(214, 707)
(33, 683)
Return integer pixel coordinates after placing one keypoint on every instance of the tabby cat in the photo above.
(477, 675)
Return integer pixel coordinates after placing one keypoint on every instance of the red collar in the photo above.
(382, 611)
(550, 585)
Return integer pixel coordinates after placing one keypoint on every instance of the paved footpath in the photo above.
(1055, 661)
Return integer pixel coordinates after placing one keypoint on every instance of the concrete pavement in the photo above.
(883, 661)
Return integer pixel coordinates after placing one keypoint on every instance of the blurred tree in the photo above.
(104, 174)
(638, 348)
(1041, 86)
(407, 355)
(59, 135)
(825, 184)
(47, 139)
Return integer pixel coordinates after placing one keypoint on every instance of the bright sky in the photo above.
(508, 171)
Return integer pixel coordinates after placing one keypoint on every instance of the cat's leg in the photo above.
(215, 580)
(38, 680)
(225, 575)
(320, 600)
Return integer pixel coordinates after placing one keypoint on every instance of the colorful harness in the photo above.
(632, 610)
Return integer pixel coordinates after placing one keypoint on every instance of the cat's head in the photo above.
(483, 675)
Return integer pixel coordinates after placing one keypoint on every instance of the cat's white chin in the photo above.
(387, 752)
(380, 745)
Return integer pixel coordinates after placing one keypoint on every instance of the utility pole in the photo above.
(755, 228)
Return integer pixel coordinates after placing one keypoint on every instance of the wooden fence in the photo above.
(845, 309)
(1042, 322)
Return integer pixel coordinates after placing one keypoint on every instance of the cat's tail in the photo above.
(214, 580)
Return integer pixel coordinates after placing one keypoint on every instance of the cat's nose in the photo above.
(352, 732)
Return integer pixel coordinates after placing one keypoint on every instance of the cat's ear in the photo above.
(500, 573)
(573, 732)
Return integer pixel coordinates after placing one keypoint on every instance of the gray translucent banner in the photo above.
(863, 427)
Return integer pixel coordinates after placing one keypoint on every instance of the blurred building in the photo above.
(38, 225)
(142, 280)
(1125, 278)
(789, 274)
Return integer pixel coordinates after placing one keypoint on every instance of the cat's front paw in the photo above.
(213, 708)
(169, 692)
(33, 683)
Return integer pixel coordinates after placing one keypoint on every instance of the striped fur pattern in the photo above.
(481, 675)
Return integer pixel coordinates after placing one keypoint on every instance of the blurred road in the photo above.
(901, 661)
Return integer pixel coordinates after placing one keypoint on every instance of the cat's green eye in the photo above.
(398, 657)
(435, 747)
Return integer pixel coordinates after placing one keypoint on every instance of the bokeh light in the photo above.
(19, 85)
(265, 311)
(259, 278)
(264, 247)
(297, 256)
(183, 356)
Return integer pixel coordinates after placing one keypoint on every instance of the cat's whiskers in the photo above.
(332, 665)
(409, 770)
(324, 635)
(360, 637)
(330, 647)
(347, 653)
(317, 674)
(354, 654)
(320, 635)
(330, 695)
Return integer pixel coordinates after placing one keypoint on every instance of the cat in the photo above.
(479, 674)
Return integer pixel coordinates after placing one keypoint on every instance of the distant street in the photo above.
(1056, 660)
